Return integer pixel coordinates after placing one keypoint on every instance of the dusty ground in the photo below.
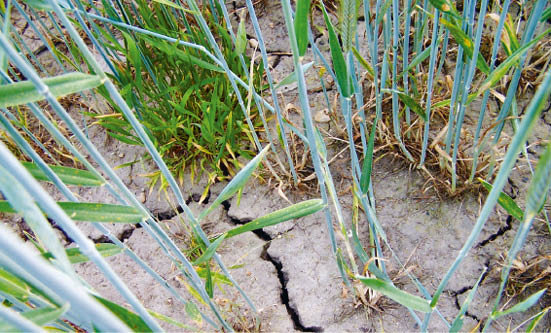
(288, 270)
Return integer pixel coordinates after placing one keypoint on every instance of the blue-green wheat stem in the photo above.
(5, 25)
(345, 231)
(536, 197)
(346, 107)
(102, 50)
(15, 319)
(372, 40)
(395, 50)
(531, 25)
(107, 28)
(433, 52)
(466, 88)
(459, 76)
(60, 138)
(33, 26)
(310, 131)
(97, 156)
(420, 28)
(407, 28)
(273, 92)
(50, 298)
(22, 47)
(122, 10)
(529, 119)
(70, 196)
(40, 20)
(49, 205)
(495, 48)
(515, 124)
(57, 282)
(138, 128)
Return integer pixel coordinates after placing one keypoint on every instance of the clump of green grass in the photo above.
(185, 102)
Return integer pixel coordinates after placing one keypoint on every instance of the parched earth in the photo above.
(288, 270)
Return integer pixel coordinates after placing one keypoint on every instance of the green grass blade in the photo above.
(301, 25)
(98, 212)
(40, 316)
(339, 65)
(367, 166)
(505, 201)
(93, 212)
(522, 306)
(131, 319)
(76, 256)
(170, 4)
(288, 213)
(410, 102)
(13, 321)
(69, 176)
(546, 15)
(419, 59)
(210, 251)
(11, 285)
(292, 78)
(363, 62)
(236, 183)
(25, 92)
(241, 38)
(536, 320)
(406, 299)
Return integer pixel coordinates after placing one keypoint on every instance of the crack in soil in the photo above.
(283, 279)
(281, 274)
(171, 213)
(455, 294)
(500, 232)
(161, 216)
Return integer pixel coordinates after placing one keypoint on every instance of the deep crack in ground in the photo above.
(281, 275)
(500, 232)
(455, 294)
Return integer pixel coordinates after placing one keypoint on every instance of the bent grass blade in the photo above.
(292, 212)
(69, 176)
(76, 256)
(406, 299)
(93, 212)
(24, 92)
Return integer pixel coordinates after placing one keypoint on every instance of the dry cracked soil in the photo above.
(288, 270)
